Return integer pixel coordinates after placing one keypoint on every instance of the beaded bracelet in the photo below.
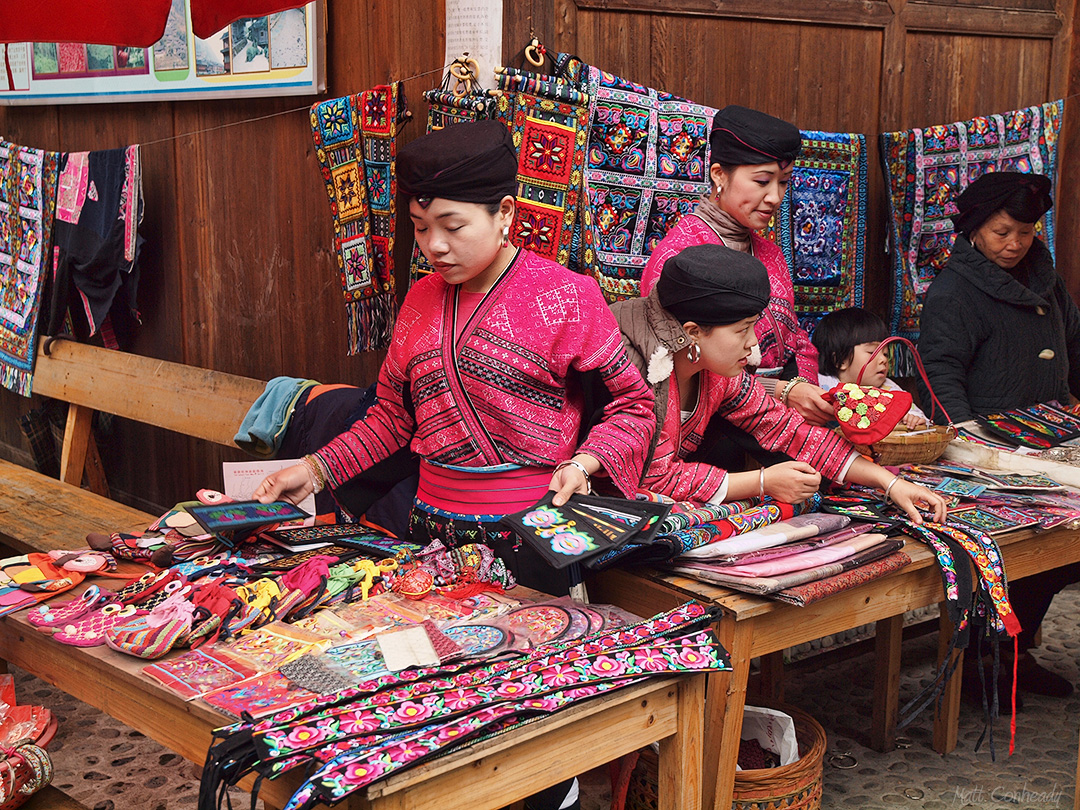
(579, 466)
(787, 388)
(315, 472)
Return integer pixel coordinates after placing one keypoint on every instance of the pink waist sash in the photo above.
(494, 491)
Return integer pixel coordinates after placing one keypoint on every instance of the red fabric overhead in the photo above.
(139, 23)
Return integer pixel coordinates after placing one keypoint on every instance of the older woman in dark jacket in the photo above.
(1000, 331)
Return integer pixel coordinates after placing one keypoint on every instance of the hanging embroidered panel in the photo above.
(356, 145)
(27, 211)
(550, 129)
(927, 168)
(821, 224)
(647, 167)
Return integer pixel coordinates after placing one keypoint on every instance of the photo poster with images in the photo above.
(242, 478)
(277, 55)
(475, 27)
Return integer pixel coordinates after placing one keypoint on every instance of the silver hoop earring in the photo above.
(693, 353)
(506, 235)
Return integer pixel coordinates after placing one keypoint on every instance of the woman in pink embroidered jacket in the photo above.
(752, 158)
(482, 378)
(692, 338)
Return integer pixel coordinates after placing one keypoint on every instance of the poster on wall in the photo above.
(278, 55)
(474, 27)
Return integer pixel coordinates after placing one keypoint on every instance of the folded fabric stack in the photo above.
(798, 560)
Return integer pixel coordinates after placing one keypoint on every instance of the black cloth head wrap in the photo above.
(1028, 194)
(713, 285)
(474, 162)
(741, 136)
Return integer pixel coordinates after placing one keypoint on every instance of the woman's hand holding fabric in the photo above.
(791, 481)
(291, 484)
(909, 497)
(568, 479)
(808, 400)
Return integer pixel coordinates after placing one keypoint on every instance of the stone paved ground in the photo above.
(110, 767)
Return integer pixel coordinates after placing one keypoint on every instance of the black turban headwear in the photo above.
(1025, 197)
(713, 285)
(474, 162)
(741, 136)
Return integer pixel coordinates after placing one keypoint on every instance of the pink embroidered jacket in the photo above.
(652, 337)
(502, 391)
(778, 332)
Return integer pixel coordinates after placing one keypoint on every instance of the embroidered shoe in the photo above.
(89, 630)
(46, 617)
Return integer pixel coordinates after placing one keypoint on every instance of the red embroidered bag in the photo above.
(867, 414)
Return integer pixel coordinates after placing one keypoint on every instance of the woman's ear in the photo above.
(507, 206)
(692, 330)
(718, 176)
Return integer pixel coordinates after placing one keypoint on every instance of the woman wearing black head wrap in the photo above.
(481, 377)
(691, 338)
(999, 330)
(752, 158)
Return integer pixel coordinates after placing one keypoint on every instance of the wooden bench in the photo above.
(49, 798)
(38, 513)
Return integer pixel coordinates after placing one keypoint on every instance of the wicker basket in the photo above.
(796, 786)
(901, 447)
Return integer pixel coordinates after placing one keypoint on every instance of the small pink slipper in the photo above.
(47, 617)
(89, 630)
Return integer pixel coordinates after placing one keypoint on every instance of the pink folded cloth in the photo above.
(799, 527)
(808, 559)
(786, 550)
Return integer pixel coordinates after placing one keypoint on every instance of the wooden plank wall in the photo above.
(837, 65)
(238, 273)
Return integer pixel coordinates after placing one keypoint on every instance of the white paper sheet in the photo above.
(243, 477)
(475, 27)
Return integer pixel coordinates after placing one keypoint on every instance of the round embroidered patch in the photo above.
(476, 639)
(539, 623)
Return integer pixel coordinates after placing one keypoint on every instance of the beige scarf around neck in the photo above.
(734, 235)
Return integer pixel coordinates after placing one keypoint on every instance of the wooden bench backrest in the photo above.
(193, 401)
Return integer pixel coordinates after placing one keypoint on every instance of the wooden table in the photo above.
(753, 626)
(485, 776)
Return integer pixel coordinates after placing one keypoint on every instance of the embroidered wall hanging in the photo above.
(551, 137)
(356, 145)
(821, 224)
(927, 168)
(647, 167)
(99, 207)
(27, 210)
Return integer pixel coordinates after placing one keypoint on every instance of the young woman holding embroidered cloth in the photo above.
(482, 376)
(692, 338)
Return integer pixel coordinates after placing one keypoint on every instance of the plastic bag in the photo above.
(773, 729)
